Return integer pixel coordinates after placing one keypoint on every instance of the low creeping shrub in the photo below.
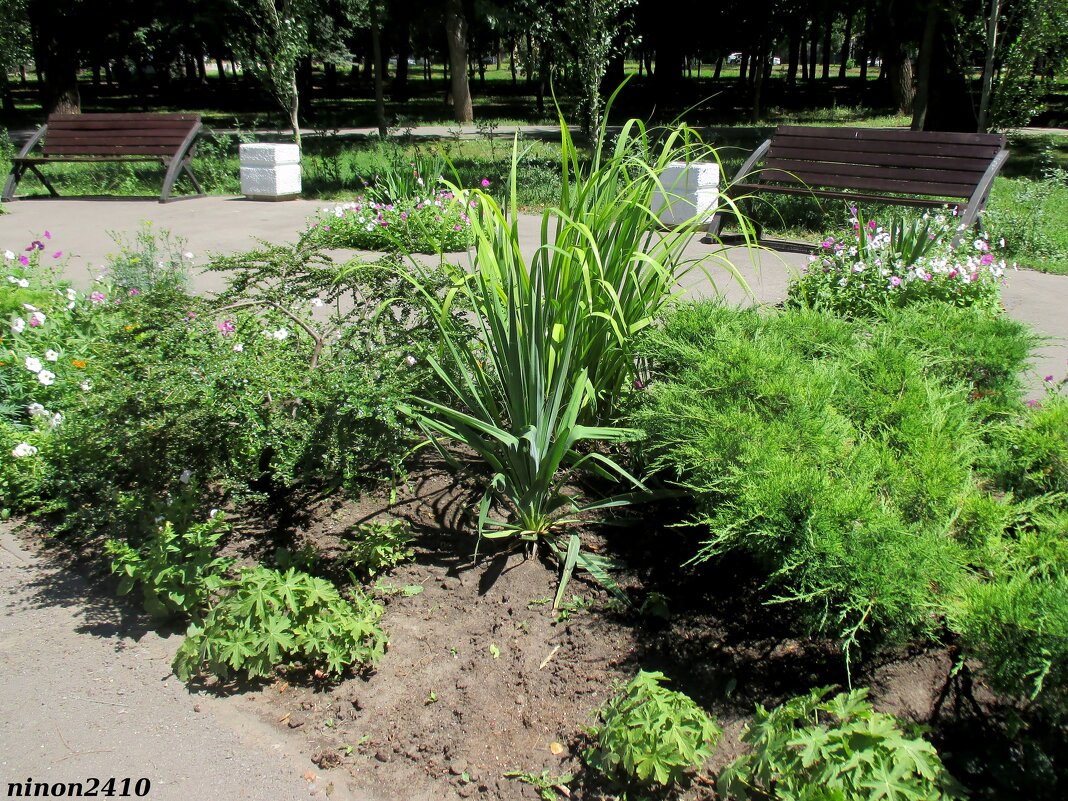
(430, 222)
(829, 452)
(814, 749)
(176, 569)
(650, 735)
(267, 618)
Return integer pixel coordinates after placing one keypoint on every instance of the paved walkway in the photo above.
(82, 230)
(87, 692)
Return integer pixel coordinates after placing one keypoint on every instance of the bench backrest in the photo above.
(924, 163)
(118, 134)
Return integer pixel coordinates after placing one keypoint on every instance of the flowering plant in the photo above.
(871, 268)
(425, 223)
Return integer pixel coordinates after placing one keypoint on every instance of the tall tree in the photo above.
(456, 32)
(14, 46)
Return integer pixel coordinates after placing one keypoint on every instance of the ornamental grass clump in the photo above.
(532, 392)
(871, 268)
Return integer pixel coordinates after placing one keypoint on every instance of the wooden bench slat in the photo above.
(853, 196)
(65, 159)
(148, 125)
(816, 180)
(130, 116)
(966, 178)
(786, 132)
(885, 159)
(113, 150)
(874, 149)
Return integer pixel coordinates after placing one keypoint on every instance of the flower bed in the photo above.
(871, 268)
(433, 223)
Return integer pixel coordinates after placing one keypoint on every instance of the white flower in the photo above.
(46, 377)
(86, 386)
(410, 359)
(187, 255)
(37, 410)
(33, 364)
(51, 355)
(9, 255)
(23, 449)
(70, 305)
(55, 420)
(18, 325)
(22, 282)
(37, 319)
(11, 279)
(29, 307)
(316, 302)
(185, 476)
(280, 335)
(72, 294)
(214, 512)
(238, 347)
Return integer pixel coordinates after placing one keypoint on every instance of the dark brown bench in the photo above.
(910, 168)
(167, 138)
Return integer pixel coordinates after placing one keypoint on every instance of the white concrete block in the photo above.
(271, 183)
(268, 155)
(690, 190)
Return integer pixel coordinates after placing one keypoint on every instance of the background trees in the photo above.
(921, 57)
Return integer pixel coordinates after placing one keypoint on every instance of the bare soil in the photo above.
(482, 677)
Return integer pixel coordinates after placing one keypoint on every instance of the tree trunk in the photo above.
(8, 100)
(898, 69)
(813, 49)
(511, 62)
(826, 75)
(456, 30)
(759, 63)
(743, 67)
(719, 68)
(55, 55)
(988, 68)
(294, 107)
(376, 54)
(923, 69)
(843, 55)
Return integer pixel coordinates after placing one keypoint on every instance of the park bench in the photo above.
(909, 168)
(167, 138)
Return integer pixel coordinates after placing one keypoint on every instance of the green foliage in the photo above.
(814, 749)
(150, 262)
(432, 222)
(377, 546)
(1029, 215)
(176, 568)
(1030, 449)
(871, 269)
(830, 452)
(268, 618)
(650, 735)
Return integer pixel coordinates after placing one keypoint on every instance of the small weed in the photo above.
(494, 651)
(547, 786)
(377, 546)
(432, 698)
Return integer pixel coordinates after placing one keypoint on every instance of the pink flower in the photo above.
(134, 292)
(57, 254)
(24, 261)
(1034, 404)
(226, 327)
(47, 234)
(97, 297)
(485, 183)
(986, 259)
(871, 224)
(457, 228)
(191, 315)
(895, 281)
(404, 215)
(827, 243)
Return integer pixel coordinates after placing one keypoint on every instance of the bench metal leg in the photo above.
(48, 184)
(12, 183)
(189, 172)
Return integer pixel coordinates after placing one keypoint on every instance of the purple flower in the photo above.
(47, 234)
(226, 327)
(638, 384)
(895, 280)
(97, 297)
(36, 244)
(827, 243)
(57, 254)
(986, 259)
(485, 183)
(1048, 379)
(134, 292)
(24, 261)
(871, 224)
(1034, 404)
